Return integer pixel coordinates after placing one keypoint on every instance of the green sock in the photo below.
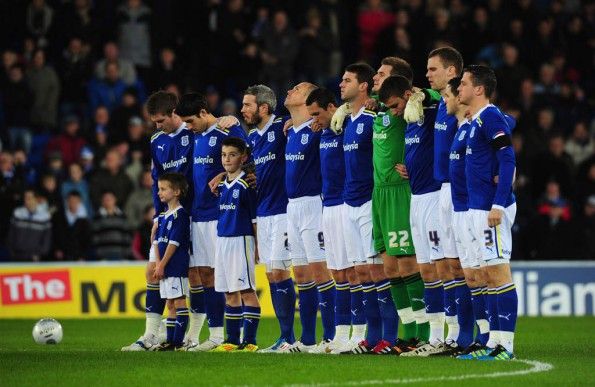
(407, 329)
(415, 289)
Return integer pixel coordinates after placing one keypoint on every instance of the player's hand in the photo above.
(227, 122)
(159, 271)
(494, 217)
(214, 183)
(251, 180)
(339, 118)
(371, 104)
(402, 171)
(316, 127)
(414, 110)
(288, 124)
(256, 256)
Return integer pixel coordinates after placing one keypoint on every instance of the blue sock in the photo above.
(197, 299)
(233, 321)
(372, 311)
(180, 326)
(491, 300)
(464, 313)
(275, 301)
(358, 316)
(154, 303)
(480, 314)
(388, 311)
(170, 326)
(308, 308)
(507, 314)
(450, 309)
(215, 302)
(285, 291)
(434, 297)
(251, 319)
(342, 304)
(326, 304)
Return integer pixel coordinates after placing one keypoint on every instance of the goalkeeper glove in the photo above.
(339, 118)
(414, 110)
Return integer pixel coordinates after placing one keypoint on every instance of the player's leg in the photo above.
(250, 304)
(215, 301)
(173, 288)
(182, 316)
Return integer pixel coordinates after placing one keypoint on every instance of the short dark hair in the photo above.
(399, 67)
(322, 96)
(161, 102)
(454, 85)
(393, 86)
(75, 193)
(449, 57)
(363, 73)
(235, 142)
(177, 181)
(191, 104)
(483, 76)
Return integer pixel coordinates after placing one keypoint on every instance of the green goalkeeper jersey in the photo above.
(389, 147)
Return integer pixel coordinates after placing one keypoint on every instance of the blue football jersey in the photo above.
(456, 168)
(302, 162)
(173, 227)
(332, 167)
(445, 128)
(481, 162)
(237, 208)
(207, 165)
(419, 153)
(268, 151)
(359, 168)
(171, 153)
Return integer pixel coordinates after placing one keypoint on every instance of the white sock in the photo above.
(359, 332)
(494, 339)
(484, 326)
(153, 320)
(507, 340)
(436, 327)
(342, 332)
(421, 317)
(453, 328)
(406, 315)
(195, 325)
(216, 334)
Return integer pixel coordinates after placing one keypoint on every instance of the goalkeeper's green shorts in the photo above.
(390, 216)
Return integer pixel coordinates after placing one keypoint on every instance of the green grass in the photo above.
(89, 355)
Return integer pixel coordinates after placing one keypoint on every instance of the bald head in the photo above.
(296, 96)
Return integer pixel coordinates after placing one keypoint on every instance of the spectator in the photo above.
(70, 143)
(72, 230)
(109, 91)
(40, 17)
(87, 162)
(315, 45)
(45, 86)
(12, 185)
(111, 234)
(9, 60)
(99, 131)
(134, 33)
(168, 70)
(585, 181)
(140, 198)
(50, 192)
(554, 164)
(141, 240)
(547, 89)
(111, 178)
(76, 182)
(586, 230)
(30, 234)
(121, 115)
(537, 134)
(372, 18)
(580, 146)
(75, 71)
(512, 71)
(17, 98)
(126, 70)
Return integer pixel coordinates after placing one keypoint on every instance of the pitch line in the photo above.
(536, 367)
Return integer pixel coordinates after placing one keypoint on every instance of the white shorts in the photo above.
(204, 237)
(334, 240)
(152, 256)
(447, 238)
(271, 236)
(173, 287)
(304, 230)
(496, 242)
(234, 264)
(359, 241)
(468, 248)
(425, 228)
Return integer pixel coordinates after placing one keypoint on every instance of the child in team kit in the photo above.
(171, 250)
(236, 253)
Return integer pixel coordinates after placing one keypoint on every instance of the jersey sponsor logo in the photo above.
(379, 136)
(227, 207)
(305, 138)
(412, 140)
(204, 160)
(174, 163)
(185, 141)
(440, 126)
(212, 140)
(454, 156)
(330, 144)
(235, 193)
(350, 147)
(294, 156)
(462, 135)
(162, 239)
(271, 136)
(360, 128)
(169, 225)
(263, 159)
(25, 288)
(386, 120)
(472, 132)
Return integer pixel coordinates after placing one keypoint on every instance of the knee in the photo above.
(363, 273)
(206, 275)
(150, 274)
(194, 276)
(351, 276)
(391, 271)
(428, 272)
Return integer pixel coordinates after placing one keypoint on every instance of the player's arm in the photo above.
(226, 122)
(502, 145)
(414, 110)
(169, 252)
(251, 203)
(155, 172)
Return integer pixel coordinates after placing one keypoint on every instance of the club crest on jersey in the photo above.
(305, 138)
(386, 120)
(235, 193)
(472, 132)
(420, 122)
(185, 140)
(360, 128)
(212, 141)
(271, 136)
(462, 135)
(169, 225)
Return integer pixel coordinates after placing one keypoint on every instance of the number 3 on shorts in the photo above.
(402, 236)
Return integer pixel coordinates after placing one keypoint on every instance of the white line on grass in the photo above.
(536, 366)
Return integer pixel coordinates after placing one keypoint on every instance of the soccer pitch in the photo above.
(551, 351)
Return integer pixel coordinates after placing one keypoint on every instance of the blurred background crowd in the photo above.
(74, 140)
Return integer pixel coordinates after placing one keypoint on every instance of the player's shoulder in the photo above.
(369, 113)
(157, 135)
(243, 183)
(180, 213)
(491, 115)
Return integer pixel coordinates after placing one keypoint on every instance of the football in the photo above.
(47, 331)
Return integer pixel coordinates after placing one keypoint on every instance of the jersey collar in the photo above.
(210, 129)
(302, 126)
(353, 118)
(177, 131)
(266, 126)
(481, 111)
(169, 212)
(231, 183)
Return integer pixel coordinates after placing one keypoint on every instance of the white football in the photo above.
(47, 331)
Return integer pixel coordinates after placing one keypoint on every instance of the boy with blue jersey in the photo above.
(236, 254)
(303, 184)
(492, 206)
(322, 105)
(171, 151)
(171, 245)
(193, 109)
(267, 142)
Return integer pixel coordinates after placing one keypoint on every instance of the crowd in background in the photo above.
(75, 182)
